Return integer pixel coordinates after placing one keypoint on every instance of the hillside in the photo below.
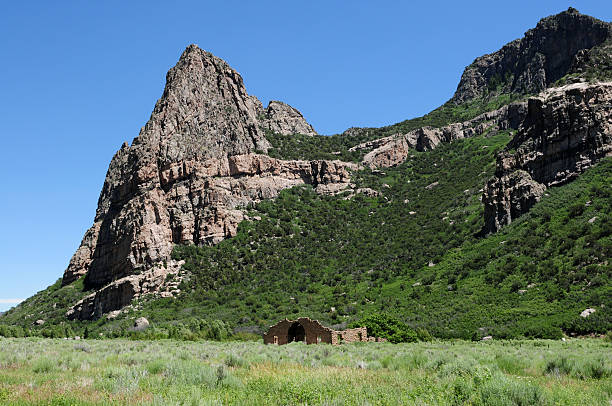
(488, 216)
(534, 277)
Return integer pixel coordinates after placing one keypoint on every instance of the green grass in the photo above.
(182, 373)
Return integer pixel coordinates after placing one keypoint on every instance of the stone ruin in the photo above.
(313, 332)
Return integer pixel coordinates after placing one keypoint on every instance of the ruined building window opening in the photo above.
(318, 339)
(276, 340)
(296, 333)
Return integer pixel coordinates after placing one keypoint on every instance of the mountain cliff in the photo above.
(184, 179)
(566, 131)
(555, 47)
(200, 159)
(223, 208)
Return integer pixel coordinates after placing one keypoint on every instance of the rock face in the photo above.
(530, 64)
(393, 150)
(566, 130)
(122, 291)
(284, 119)
(184, 179)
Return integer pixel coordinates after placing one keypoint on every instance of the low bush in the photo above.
(385, 326)
(501, 390)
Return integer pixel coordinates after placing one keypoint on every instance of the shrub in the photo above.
(385, 326)
(234, 361)
(559, 366)
(543, 331)
(589, 368)
(423, 334)
(576, 210)
(156, 367)
(501, 390)
(244, 336)
(43, 366)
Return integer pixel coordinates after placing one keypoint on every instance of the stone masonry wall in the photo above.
(315, 333)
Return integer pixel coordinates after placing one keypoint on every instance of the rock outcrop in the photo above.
(566, 130)
(283, 119)
(529, 65)
(140, 324)
(184, 179)
(393, 150)
(123, 291)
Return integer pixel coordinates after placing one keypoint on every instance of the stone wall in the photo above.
(314, 333)
(353, 335)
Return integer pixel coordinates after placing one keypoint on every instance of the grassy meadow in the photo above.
(36, 371)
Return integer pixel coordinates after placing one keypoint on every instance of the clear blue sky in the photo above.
(80, 77)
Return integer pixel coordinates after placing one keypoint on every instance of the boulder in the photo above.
(140, 324)
(587, 312)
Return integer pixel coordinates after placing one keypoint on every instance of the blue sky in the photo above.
(79, 78)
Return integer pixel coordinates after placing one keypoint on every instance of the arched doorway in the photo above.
(296, 333)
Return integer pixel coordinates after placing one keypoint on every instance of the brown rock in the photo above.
(508, 197)
(123, 291)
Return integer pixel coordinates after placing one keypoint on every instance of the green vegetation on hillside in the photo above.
(312, 253)
(298, 146)
(331, 257)
(49, 304)
(76, 373)
(412, 253)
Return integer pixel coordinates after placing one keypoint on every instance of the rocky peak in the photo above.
(184, 179)
(204, 112)
(284, 119)
(530, 64)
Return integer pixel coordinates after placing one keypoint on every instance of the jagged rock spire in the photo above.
(183, 180)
